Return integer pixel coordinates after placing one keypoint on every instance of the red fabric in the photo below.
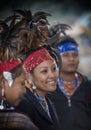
(36, 58)
(1, 68)
(8, 65)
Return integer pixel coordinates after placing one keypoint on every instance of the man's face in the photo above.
(70, 62)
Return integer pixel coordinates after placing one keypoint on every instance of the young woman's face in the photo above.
(14, 93)
(70, 62)
(45, 77)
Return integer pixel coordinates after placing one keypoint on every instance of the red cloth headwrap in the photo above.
(36, 58)
(8, 65)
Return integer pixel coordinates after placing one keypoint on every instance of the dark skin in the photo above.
(14, 93)
(1, 84)
(45, 77)
(70, 62)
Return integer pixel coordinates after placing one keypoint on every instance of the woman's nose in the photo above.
(51, 74)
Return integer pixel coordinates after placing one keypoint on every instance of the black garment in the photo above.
(78, 116)
(32, 107)
(13, 120)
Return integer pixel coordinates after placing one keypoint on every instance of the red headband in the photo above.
(8, 65)
(36, 58)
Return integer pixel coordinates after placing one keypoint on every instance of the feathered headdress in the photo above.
(8, 49)
(36, 24)
(19, 33)
(10, 42)
(57, 32)
(62, 43)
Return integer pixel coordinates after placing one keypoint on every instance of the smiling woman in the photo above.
(42, 74)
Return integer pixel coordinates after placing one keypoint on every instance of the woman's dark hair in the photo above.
(55, 56)
(64, 39)
(17, 71)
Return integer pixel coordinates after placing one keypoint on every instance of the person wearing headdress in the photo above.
(42, 74)
(12, 81)
(11, 91)
(72, 97)
(10, 65)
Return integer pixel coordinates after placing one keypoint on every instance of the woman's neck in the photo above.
(41, 94)
(69, 77)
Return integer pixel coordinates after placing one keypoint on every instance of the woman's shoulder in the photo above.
(13, 120)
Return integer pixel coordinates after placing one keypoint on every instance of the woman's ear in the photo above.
(28, 77)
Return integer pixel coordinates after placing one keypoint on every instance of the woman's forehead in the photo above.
(46, 64)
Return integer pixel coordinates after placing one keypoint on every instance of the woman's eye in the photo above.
(44, 71)
(54, 68)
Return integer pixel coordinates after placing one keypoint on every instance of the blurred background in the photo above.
(76, 13)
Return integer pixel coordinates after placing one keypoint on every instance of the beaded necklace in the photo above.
(68, 88)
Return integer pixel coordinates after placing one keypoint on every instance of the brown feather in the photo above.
(55, 32)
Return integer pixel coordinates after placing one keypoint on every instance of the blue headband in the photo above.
(67, 47)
